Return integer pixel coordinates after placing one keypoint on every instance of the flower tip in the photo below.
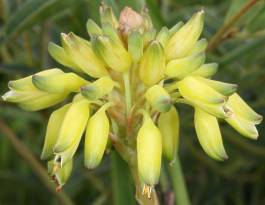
(201, 12)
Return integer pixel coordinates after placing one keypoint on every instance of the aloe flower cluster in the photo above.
(125, 82)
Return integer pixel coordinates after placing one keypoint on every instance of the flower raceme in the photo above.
(125, 82)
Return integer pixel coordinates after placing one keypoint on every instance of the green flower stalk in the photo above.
(125, 81)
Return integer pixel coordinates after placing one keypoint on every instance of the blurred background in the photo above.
(26, 27)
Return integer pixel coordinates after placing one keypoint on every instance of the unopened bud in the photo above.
(163, 36)
(59, 54)
(206, 70)
(92, 28)
(149, 151)
(135, 45)
(98, 88)
(209, 134)
(182, 67)
(107, 15)
(168, 124)
(112, 52)
(73, 125)
(83, 56)
(195, 90)
(226, 89)
(60, 83)
(185, 38)
(96, 137)
(159, 99)
(199, 47)
(52, 132)
(152, 64)
(129, 20)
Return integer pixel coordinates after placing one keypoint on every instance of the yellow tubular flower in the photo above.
(102, 45)
(107, 15)
(59, 54)
(60, 175)
(52, 133)
(149, 151)
(158, 98)
(131, 66)
(209, 134)
(168, 124)
(60, 83)
(185, 38)
(244, 118)
(163, 36)
(182, 67)
(73, 125)
(29, 97)
(81, 52)
(195, 90)
(92, 28)
(98, 88)
(152, 64)
(206, 70)
(96, 137)
(135, 45)
(199, 47)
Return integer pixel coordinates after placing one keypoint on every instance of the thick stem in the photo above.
(179, 186)
(127, 88)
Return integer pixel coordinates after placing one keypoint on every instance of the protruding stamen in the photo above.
(147, 190)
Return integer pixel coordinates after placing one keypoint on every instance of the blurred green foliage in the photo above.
(26, 27)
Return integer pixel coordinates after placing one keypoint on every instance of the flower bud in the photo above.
(152, 64)
(194, 90)
(206, 70)
(60, 83)
(185, 38)
(220, 110)
(158, 97)
(199, 47)
(147, 21)
(130, 20)
(92, 28)
(33, 100)
(83, 56)
(98, 88)
(209, 134)
(226, 89)
(182, 67)
(66, 155)
(149, 36)
(52, 132)
(59, 54)
(149, 151)
(244, 118)
(63, 174)
(168, 124)
(175, 28)
(107, 15)
(111, 33)
(73, 125)
(112, 52)
(25, 84)
(240, 107)
(163, 36)
(135, 45)
(96, 137)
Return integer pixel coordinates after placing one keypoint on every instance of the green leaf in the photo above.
(34, 12)
(248, 17)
